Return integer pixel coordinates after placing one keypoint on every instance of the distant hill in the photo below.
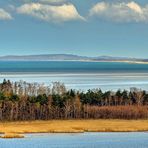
(67, 57)
(44, 57)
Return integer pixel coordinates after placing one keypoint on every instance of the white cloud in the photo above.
(135, 7)
(4, 15)
(50, 13)
(120, 11)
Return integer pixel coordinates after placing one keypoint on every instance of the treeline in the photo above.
(33, 101)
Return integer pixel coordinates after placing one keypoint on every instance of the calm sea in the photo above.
(85, 140)
(78, 75)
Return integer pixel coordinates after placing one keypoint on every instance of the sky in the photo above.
(81, 27)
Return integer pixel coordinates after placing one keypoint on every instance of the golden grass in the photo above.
(73, 126)
(11, 135)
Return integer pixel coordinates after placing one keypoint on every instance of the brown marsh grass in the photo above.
(73, 126)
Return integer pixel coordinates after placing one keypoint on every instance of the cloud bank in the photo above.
(57, 11)
(120, 12)
(50, 13)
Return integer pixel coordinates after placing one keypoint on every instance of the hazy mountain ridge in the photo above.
(66, 57)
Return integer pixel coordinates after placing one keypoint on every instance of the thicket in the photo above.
(33, 101)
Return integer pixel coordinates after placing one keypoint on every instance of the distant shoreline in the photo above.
(72, 57)
(95, 61)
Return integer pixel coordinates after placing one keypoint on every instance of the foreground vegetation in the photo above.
(24, 101)
(72, 126)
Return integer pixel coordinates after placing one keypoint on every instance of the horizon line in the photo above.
(42, 54)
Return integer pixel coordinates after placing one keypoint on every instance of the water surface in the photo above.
(78, 75)
(85, 140)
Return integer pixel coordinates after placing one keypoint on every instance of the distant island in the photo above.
(70, 57)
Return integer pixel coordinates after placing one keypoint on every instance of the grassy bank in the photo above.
(74, 126)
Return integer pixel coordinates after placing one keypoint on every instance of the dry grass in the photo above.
(73, 126)
(11, 135)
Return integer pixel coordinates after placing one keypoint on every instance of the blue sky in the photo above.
(82, 27)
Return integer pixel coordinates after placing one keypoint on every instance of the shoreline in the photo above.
(95, 61)
(73, 126)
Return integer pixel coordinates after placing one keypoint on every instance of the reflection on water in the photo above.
(78, 75)
(86, 140)
(84, 81)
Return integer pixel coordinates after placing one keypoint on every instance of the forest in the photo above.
(22, 101)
